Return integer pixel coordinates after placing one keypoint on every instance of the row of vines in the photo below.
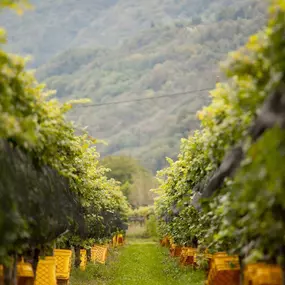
(53, 191)
(226, 189)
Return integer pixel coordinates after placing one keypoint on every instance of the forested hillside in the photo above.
(120, 50)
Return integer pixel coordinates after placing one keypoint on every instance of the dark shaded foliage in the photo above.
(37, 199)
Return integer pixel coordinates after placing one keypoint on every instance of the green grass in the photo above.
(139, 263)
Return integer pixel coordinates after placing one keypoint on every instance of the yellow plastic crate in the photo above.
(83, 259)
(209, 256)
(62, 282)
(184, 251)
(51, 258)
(99, 254)
(25, 270)
(120, 240)
(226, 262)
(215, 255)
(187, 255)
(222, 263)
(231, 277)
(262, 274)
(114, 241)
(224, 270)
(63, 263)
(250, 270)
(191, 251)
(175, 250)
(272, 276)
(187, 251)
(222, 253)
(46, 273)
(25, 273)
(163, 240)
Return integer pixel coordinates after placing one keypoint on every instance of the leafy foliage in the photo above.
(144, 211)
(52, 180)
(243, 216)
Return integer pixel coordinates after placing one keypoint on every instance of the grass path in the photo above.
(139, 263)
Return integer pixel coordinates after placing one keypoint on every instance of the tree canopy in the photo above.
(136, 181)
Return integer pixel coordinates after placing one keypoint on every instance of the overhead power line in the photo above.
(148, 98)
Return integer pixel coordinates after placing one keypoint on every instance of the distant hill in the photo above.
(57, 25)
(121, 50)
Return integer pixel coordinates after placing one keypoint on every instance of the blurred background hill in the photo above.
(113, 50)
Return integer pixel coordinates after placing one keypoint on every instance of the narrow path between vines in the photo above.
(140, 262)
